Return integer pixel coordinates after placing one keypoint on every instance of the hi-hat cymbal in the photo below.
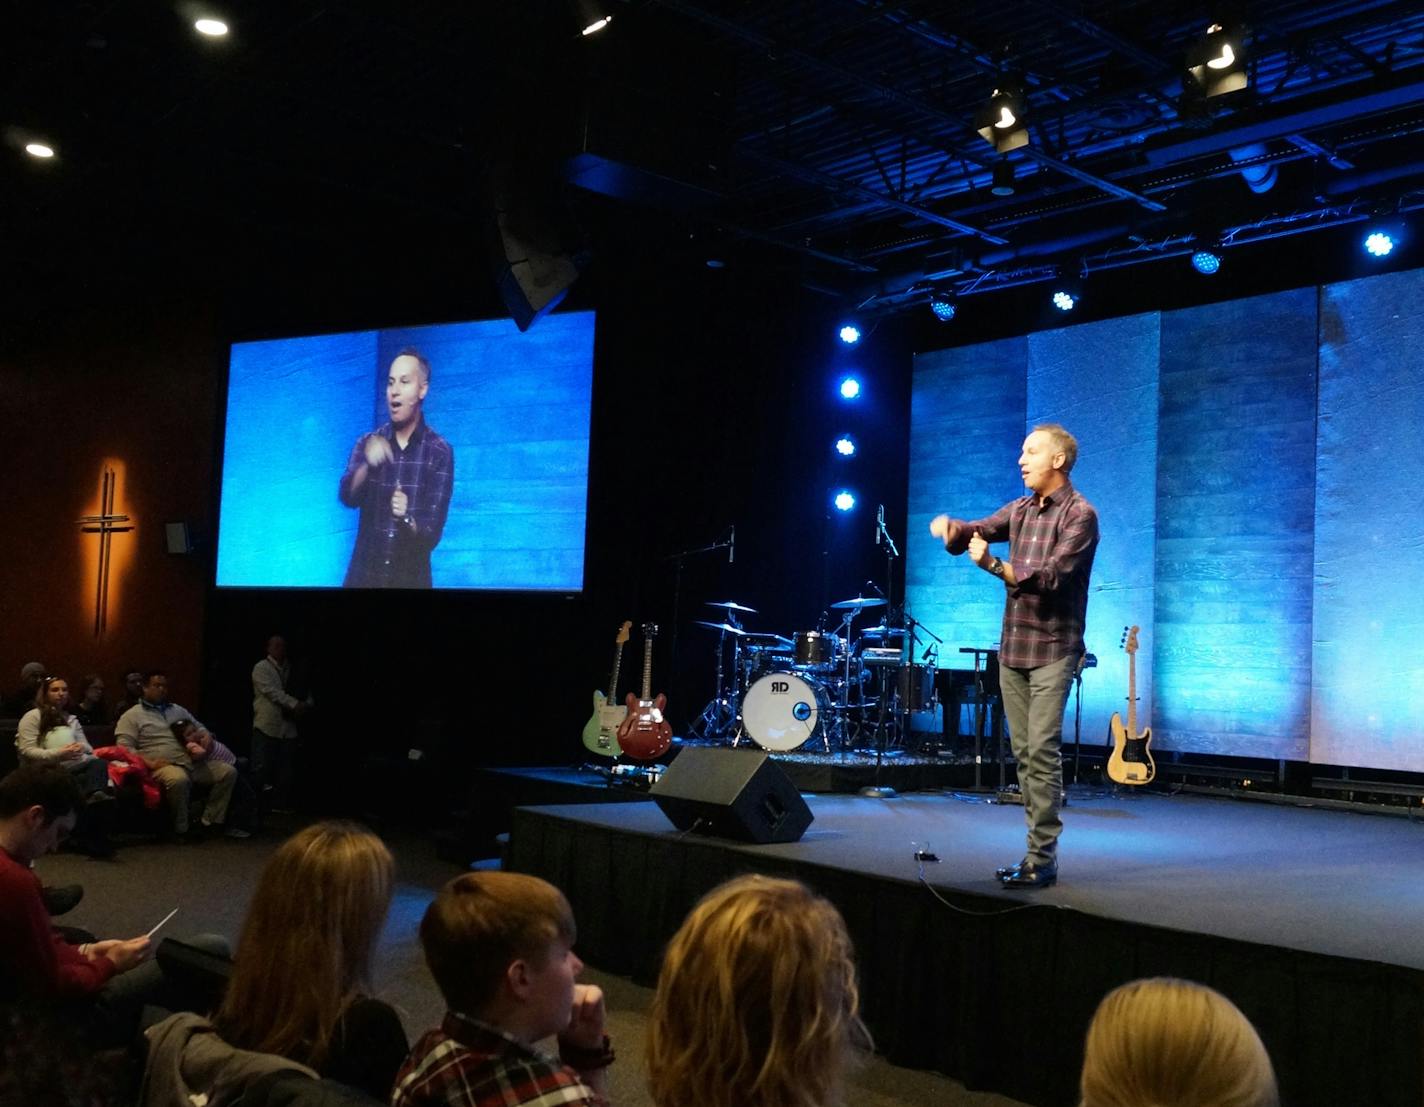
(731, 605)
(727, 627)
(857, 603)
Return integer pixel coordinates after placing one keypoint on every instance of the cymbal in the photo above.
(731, 605)
(727, 627)
(857, 603)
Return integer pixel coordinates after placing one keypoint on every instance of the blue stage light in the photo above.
(844, 500)
(845, 446)
(1206, 262)
(942, 306)
(850, 334)
(1378, 244)
(1064, 300)
(850, 388)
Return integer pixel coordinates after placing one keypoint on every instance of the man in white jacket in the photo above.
(275, 712)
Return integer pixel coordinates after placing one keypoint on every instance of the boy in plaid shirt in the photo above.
(500, 948)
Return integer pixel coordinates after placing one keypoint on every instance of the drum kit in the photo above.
(825, 690)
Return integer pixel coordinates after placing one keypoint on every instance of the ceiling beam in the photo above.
(839, 75)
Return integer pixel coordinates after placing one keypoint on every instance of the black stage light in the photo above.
(1216, 65)
(1001, 120)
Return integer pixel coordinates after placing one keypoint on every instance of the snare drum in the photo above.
(782, 711)
(817, 647)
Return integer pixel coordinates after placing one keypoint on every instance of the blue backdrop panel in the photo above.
(966, 427)
(514, 407)
(1235, 518)
(291, 402)
(1100, 381)
(1369, 526)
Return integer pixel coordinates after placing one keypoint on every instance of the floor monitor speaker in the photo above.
(732, 793)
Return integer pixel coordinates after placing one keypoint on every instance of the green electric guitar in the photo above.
(600, 733)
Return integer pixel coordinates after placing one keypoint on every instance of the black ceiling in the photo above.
(833, 136)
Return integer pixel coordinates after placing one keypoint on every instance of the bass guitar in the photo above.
(1131, 759)
(600, 733)
(645, 734)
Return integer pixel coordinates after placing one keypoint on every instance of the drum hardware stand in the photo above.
(878, 790)
(725, 703)
(1087, 661)
(981, 708)
(842, 709)
(730, 545)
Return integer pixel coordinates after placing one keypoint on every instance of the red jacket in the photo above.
(125, 765)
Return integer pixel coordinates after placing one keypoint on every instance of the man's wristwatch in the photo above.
(996, 567)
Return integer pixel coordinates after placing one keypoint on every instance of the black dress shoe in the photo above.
(1009, 870)
(1030, 875)
(59, 899)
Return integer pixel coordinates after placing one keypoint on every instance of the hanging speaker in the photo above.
(533, 268)
(732, 793)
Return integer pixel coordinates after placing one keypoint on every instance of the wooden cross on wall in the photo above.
(106, 524)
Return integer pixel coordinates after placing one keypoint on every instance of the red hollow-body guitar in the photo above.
(645, 733)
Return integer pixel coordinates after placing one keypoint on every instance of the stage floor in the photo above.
(1331, 882)
(1309, 919)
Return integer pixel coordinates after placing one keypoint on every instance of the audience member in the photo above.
(1165, 1041)
(23, 698)
(756, 1003)
(301, 986)
(48, 734)
(133, 692)
(146, 728)
(274, 728)
(39, 805)
(202, 745)
(500, 948)
(92, 710)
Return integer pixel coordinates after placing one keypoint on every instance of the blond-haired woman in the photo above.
(1166, 1041)
(301, 986)
(756, 1004)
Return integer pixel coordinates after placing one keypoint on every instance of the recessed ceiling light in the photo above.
(39, 150)
(213, 28)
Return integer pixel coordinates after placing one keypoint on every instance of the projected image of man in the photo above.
(1052, 535)
(400, 476)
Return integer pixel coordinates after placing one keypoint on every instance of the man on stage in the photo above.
(1053, 535)
(400, 476)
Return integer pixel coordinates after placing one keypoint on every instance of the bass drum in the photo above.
(782, 711)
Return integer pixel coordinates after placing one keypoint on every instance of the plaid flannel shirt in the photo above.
(388, 553)
(467, 1063)
(1051, 548)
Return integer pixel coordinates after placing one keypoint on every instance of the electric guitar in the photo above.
(1131, 759)
(645, 734)
(600, 733)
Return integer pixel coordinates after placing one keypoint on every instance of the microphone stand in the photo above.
(878, 790)
(680, 558)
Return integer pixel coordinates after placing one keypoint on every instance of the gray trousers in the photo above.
(1033, 705)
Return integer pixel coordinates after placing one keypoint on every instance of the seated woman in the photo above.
(92, 710)
(756, 1004)
(301, 984)
(48, 734)
(1171, 1041)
